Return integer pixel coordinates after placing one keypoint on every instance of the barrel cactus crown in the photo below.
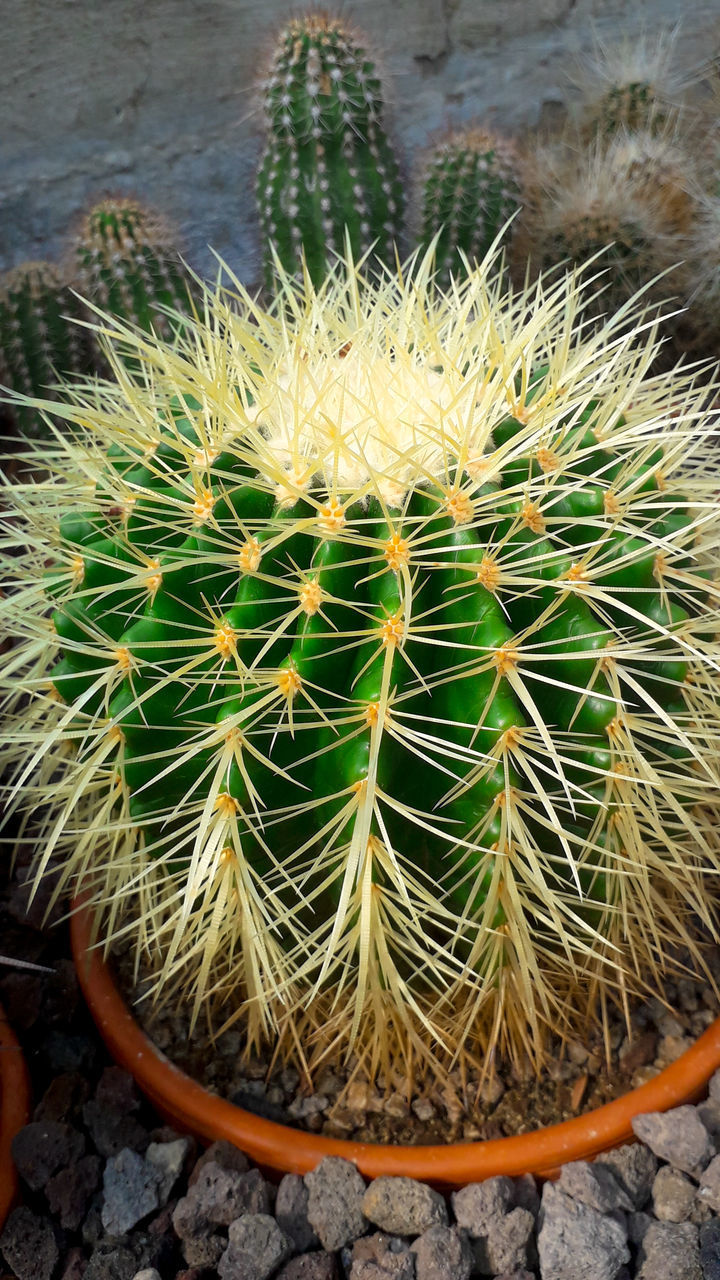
(40, 339)
(366, 658)
(471, 188)
(328, 169)
(128, 264)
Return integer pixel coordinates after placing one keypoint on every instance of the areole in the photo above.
(281, 1149)
(14, 1110)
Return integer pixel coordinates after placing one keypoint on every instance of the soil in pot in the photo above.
(579, 1076)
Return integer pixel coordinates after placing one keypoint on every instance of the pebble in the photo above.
(68, 1192)
(256, 1248)
(167, 1160)
(382, 1257)
(43, 1147)
(635, 1166)
(673, 1195)
(291, 1212)
(443, 1253)
(478, 1204)
(130, 1188)
(335, 1202)
(217, 1198)
(508, 1245)
(310, 1266)
(677, 1136)
(709, 1190)
(594, 1185)
(670, 1251)
(403, 1206)
(29, 1246)
(147, 1273)
(709, 1237)
(575, 1240)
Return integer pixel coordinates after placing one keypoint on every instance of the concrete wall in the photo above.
(156, 97)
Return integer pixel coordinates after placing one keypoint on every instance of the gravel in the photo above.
(110, 1192)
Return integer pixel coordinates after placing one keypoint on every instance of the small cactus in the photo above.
(328, 169)
(128, 265)
(40, 341)
(472, 186)
(660, 171)
(372, 687)
(630, 85)
(586, 206)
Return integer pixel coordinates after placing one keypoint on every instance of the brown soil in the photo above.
(579, 1076)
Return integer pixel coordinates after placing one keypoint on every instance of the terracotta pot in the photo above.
(14, 1110)
(281, 1149)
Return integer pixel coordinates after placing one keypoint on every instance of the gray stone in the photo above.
(677, 1136)
(310, 1266)
(229, 1157)
(28, 1245)
(714, 1086)
(508, 1245)
(382, 1257)
(443, 1253)
(403, 1206)
(526, 1194)
(204, 1250)
(256, 1248)
(595, 1185)
(111, 1262)
(673, 1195)
(575, 1240)
(476, 1205)
(147, 1273)
(710, 1249)
(335, 1202)
(167, 1159)
(638, 1224)
(68, 1192)
(709, 1113)
(291, 1210)
(130, 1192)
(670, 1251)
(634, 1165)
(44, 1146)
(217, 1198)
(709, 1189)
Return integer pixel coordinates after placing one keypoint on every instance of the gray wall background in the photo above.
(158, 97)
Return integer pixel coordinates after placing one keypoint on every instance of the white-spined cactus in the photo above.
(365, 665)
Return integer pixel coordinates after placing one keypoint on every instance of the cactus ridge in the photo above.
(472, 187)
(39, 343)
(128, 265)
(327, 165)
(380, 679)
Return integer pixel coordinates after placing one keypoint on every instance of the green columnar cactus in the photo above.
(128, 265)
(39, 339)
(375, 681)
(328, 169)
(471, 187)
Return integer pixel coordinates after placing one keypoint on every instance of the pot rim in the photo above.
(14, 1109)
(282, 1149)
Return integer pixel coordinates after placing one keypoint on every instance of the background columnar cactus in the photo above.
(328, 165)
(471, 187)
(128, 264)
(40, 341)
(375, 677)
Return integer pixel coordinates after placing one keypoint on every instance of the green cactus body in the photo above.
(413, 713)
(472, 187)
(328, 169)
(39, 341)
(128, 265)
